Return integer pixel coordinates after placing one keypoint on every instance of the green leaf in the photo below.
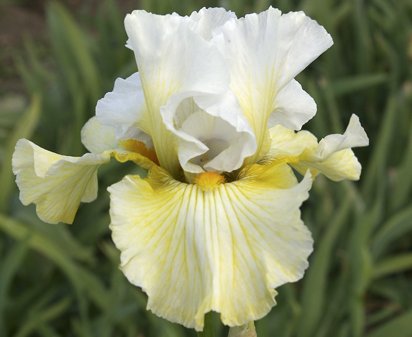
(354, 84)
(81, 278)
(24, 128)
(392, 265)
(8, 269)
(73, 42)
(394, 228)
(38, 318)
(397, 327)
(314, 296)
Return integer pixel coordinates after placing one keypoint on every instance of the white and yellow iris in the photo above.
(213, 115)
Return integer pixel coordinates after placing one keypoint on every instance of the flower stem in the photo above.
(208, 330)
(247, 330)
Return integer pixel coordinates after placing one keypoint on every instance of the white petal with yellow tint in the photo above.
(123, 109)
(97, 137)
(172, 59)
(223, 249)
(212, 132)
(100, 139)
(265, 52)
(341, 165)
(354, 136)
(208, 21)
(56, 184)
(332, 156)
(293, 107)
(288, 145)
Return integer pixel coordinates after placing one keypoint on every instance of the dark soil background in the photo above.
(24, 20)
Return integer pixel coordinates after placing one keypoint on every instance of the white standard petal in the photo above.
(212, 131)
(123, 109)
(265, 52)
(225, 250)
(172, 58)
(293, 107)
(209, 21)
(97, 137)
(56, 184)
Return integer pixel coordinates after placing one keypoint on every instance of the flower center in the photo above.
(215, 145)
(134, 145)
(209, 180)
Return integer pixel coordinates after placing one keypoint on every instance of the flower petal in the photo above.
(212, 131)
(265, 52)
(294, 107)
(56, 184)
(224, 249)
(97, 137)
(341, 165)
(332, 156)
(172, 58)
(288, 146)
(208, 21)
(354, 136)
(123, 109)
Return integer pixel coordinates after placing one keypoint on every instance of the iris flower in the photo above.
(213, 115)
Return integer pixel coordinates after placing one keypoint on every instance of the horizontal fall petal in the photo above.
(56, 184)
(225, 249)
(354, 136)
(332, 156)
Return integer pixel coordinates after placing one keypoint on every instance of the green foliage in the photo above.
(64, 281)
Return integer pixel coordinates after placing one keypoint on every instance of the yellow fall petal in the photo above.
(332, 156)
(56, 184)
(194, 250)
(342, 165)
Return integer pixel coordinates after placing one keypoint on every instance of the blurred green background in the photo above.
(58, 58)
